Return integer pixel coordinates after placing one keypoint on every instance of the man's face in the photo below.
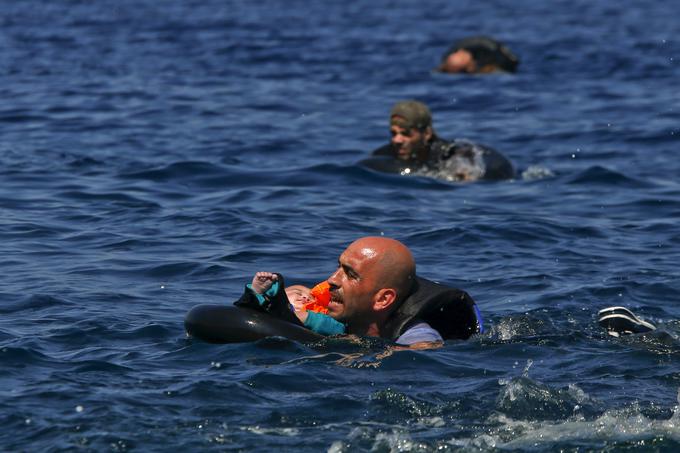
(408, 143)
(352, 285)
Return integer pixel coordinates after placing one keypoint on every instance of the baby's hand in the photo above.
(263, 281)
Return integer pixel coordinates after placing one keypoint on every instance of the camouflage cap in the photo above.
(411, 115)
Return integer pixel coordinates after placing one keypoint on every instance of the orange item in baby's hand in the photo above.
(322, 296)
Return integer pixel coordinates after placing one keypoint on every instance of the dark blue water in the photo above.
(154, 155)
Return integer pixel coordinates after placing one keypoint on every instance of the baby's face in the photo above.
(298, 295)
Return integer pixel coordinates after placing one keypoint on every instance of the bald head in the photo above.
(458, 61)
(373, 276)
(392, 261)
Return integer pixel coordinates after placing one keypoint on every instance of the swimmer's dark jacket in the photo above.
(449, 160)
(450, 311)
(489, 54)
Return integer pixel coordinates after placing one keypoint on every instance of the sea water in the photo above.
(155, 155)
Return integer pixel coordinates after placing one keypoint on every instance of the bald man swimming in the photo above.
(373, 292)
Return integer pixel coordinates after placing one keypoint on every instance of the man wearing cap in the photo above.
(416, 148)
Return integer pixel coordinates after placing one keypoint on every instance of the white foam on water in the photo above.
(616, 425)
(288, 432)
(534, 172)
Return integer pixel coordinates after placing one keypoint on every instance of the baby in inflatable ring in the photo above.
(310, 305)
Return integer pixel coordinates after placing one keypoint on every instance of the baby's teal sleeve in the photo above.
(323, 324)
(271, 292)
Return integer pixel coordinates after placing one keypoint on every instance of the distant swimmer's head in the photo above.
(477, 55)
(411, 130)
(298, 295)
(459, 61)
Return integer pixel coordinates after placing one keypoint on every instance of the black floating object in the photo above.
(230, 324)
(621, 321)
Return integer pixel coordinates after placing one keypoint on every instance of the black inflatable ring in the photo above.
(230, 324)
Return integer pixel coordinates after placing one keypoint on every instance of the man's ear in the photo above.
(428, 133)
(384, 298)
